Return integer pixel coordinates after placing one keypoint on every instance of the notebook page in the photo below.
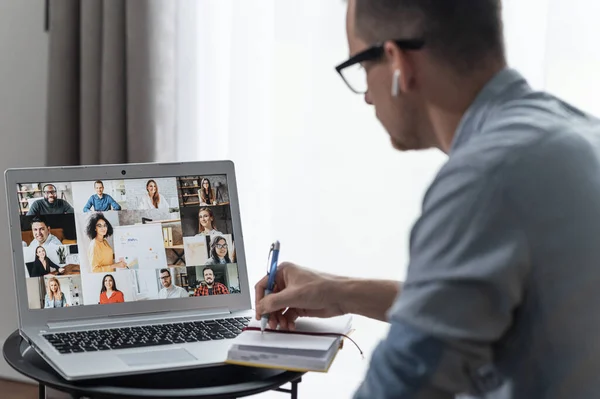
(290, 341)
(339, 324)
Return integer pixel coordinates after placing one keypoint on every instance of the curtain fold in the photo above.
(112, 82)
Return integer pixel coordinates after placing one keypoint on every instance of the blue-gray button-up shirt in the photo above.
(106, 203)
(502, 293)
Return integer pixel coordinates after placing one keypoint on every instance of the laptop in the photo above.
(128, 269)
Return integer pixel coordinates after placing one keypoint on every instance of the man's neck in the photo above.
(210, 285)
(458, 94)
(100, 195)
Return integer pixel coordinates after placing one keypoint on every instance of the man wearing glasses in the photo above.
(50, 204)
(504, 271)
(169, 289)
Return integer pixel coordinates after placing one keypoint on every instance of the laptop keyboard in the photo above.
(142, 336)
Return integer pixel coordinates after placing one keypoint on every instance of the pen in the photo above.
(273, 255)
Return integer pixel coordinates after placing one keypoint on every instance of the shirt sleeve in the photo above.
(68, 207)
(33, 209)
(468, 264)
(115, 205)
(88, 204)
(163, 204)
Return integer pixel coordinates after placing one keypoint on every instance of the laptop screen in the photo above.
(114, 241)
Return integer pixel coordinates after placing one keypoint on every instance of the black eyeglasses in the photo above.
(353, 73)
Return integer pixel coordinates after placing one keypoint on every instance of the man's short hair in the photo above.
(208, 268)
(39, 219)
(50, 185)
(461, 33)
(165, 271)
(98, 182)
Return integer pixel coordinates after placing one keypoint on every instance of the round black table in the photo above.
(225, 381)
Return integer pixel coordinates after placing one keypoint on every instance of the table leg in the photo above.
(41, 391)
(293, 391)
(295, 388)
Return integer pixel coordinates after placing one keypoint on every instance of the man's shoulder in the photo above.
(523, 136)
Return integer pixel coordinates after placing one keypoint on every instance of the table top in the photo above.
(69, 269)
(225, 381)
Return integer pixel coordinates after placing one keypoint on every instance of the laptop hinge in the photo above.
(127, 319)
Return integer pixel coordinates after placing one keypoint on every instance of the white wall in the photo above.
(573, 52)
(23, 63)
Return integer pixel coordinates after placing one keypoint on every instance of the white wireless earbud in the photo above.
(396, 83)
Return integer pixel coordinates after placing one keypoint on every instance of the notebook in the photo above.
(294, 352)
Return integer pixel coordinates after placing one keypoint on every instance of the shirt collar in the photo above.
(506, 84)
(50, 204)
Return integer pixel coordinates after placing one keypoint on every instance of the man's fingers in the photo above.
(283, 323)
(259, 290)
(291, 315)
(277, 301)
(273, 321)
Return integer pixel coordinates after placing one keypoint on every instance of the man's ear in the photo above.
(402, 60)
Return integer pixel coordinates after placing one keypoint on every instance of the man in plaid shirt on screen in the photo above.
(209, 286)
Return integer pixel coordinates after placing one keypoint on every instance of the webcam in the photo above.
(123, 172)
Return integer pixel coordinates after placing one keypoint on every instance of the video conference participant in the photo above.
(49, 204)
(100, 254)
(219, 252)
(42, 264)
(109, 292)
(206, 223)
(54, 298)
(153, 200)
(101, 202)
(207, 196)
(209, 286)
(41, 233)
(169, 289)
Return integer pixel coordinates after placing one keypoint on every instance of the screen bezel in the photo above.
(41, 317)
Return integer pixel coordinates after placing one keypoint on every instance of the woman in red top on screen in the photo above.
(109, 292)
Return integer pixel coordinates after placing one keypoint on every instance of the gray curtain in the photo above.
(112, 81)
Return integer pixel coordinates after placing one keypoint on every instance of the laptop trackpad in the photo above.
(155, 357)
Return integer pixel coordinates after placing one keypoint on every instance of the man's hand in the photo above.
(305, 292)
